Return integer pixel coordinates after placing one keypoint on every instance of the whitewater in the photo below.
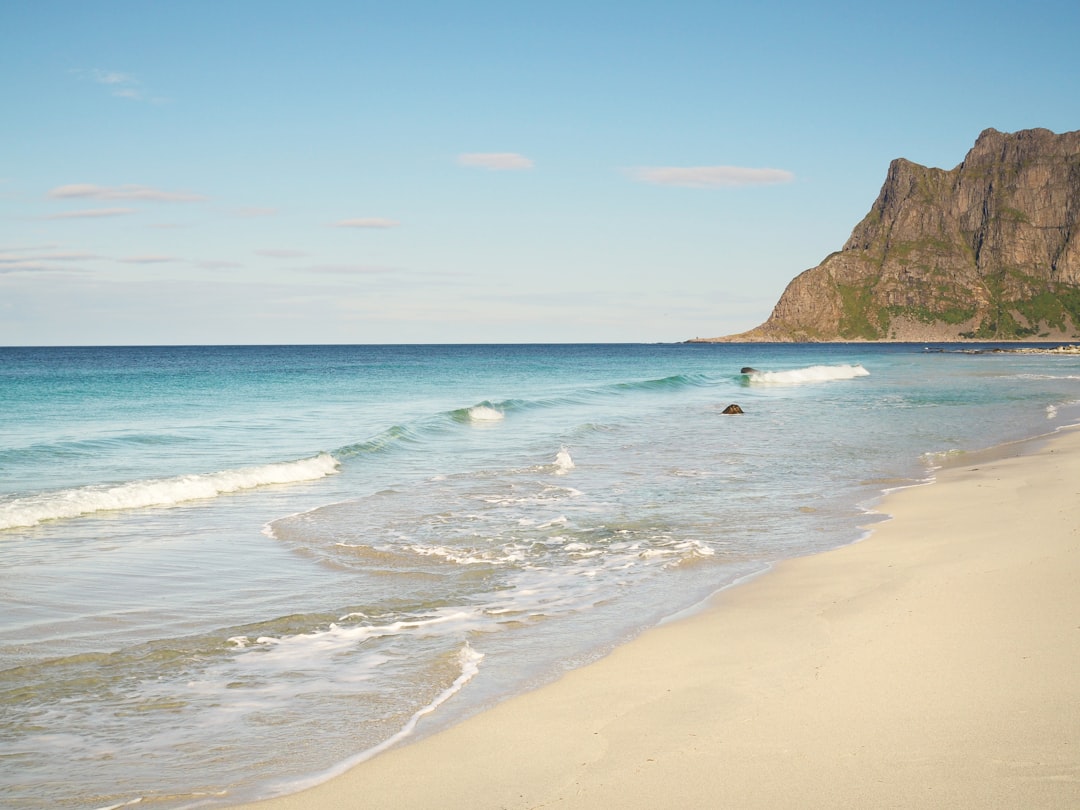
(30, 511)
(230, 572)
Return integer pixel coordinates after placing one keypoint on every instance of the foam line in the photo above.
(70, 503)
(810, 374)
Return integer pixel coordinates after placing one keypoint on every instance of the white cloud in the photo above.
(281, 253)
(121, 85)
(29, 266)
(92, 213)
(148, 259)
(52, 256)
(710, 176)
(352, 269)
(367, 222)
(253, 211)
(112, 77)
(126, 192)
(495, 161)
(37, 260)
(213, 264)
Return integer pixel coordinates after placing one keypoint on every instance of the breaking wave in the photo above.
(70, 503)
(563, 462)
(810, 374)
(485, 413)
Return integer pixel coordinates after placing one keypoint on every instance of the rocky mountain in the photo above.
(989, 250)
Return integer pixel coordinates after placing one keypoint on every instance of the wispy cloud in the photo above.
(495, 161)
(218, 265)
(92, 213)
(31, 266)
(281, 253)
(253, 211)
(52, 256)
(88, 191)
(112, 77)
(353, 269)
(42, 261)
(367, 222)
(121, 85)
(710, 176)
(148, 259)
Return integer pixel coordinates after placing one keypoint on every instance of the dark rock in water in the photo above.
(748, 370)
(732, 408)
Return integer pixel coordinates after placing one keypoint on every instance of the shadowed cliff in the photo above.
(986, 251)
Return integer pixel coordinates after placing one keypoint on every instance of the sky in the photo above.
(238, 172)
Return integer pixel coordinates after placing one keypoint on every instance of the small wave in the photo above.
(1037, 377)
(683, 552)
(301, 646)
(465, 556)
(70, 503)
(382, 441)
(485, 413)
(493, 411)
(675, 381)
(87, 448)
(563, 462)
(810, 374)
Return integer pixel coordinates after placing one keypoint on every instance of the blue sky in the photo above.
(425, 172)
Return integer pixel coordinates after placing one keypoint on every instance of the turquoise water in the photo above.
(229, 571)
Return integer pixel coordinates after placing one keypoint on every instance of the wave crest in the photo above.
(70, 503)
(485, 413)
(674, 383)
(810, 374)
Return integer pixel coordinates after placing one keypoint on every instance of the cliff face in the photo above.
(989, 250)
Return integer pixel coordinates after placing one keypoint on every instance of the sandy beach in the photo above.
(934, 664)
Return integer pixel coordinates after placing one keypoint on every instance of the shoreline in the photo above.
(930, 664)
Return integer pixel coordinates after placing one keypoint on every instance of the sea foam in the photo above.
(563, 462)
(810, 374)
(485, 413)
(70, 503)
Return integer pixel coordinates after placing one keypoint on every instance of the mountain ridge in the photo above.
(988, 250)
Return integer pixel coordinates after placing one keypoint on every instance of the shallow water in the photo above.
(227, 570)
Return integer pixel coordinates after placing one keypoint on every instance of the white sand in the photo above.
(934, 665)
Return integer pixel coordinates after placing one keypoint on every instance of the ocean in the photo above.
(230, 572)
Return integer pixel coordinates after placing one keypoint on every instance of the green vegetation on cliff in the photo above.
(859, 318)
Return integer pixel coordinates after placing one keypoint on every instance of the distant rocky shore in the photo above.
(1065, 349)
